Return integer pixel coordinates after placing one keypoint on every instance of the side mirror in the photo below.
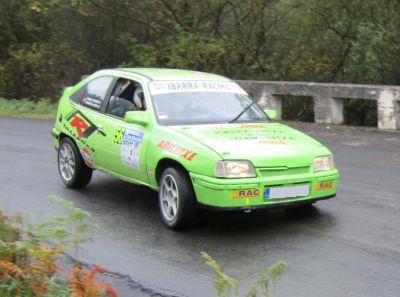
(136, 117)
(271, 113)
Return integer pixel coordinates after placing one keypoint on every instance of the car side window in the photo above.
(127, 96)
(93, 93)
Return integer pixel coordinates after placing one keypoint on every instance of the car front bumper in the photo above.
(220, 193)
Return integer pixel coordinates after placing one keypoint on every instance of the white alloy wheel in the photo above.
(66, 162)
(169, 197)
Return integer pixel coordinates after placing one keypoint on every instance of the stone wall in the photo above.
(328, 98)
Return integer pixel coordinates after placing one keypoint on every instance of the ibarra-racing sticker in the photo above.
(130, 147)
(247, 193)
(176, 150)
(189, 86)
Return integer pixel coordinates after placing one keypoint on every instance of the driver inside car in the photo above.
(138, 98)
(128, 97)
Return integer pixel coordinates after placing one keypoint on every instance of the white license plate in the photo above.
(294, 191)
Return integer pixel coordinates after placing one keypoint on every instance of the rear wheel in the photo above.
(72, 168)
(176, 199)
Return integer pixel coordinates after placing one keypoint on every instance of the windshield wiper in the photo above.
(242, 112)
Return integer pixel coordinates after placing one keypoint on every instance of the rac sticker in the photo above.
(247, 193)
(176, 150)
(322, 186)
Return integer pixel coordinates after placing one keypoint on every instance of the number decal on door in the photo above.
(119, 135)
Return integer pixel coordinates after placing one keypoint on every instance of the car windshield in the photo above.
(203, 102)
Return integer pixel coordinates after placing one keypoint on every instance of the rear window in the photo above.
(93, 93)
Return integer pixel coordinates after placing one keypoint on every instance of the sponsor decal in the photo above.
(87, 157)
(177, 150)
(130, 147)
(83, 126)
(246, 132)
(246, 193)
(119, 135)
(163, 87)
(273, 142)
(162, 115)
(92, 102)
(322, 186)
(80, 125)
(252, 126)
(73, 132)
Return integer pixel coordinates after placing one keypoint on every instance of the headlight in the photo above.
(323, 163)
(234, 169)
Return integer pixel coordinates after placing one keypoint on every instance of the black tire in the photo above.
(81, 174)
(186, 206)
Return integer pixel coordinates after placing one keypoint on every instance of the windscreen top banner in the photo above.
(163, 87)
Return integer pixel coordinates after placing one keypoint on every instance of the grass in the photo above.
(42, 109)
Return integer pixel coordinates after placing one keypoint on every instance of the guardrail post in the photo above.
(388, 110)
(328, 110)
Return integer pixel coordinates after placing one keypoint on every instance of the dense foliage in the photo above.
(46, 45)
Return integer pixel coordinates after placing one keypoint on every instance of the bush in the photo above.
(225, 285)
(30, 248)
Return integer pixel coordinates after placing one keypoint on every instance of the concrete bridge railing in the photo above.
(328, 98)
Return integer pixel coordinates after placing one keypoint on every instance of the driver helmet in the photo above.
(138, 98)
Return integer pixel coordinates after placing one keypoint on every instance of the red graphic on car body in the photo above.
(80, 126)
(87, 157)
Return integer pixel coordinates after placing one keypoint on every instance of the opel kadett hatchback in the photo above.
(198, 139)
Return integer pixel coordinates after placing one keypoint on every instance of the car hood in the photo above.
(264, 144)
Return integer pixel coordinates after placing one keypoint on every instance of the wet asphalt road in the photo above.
(346, 246)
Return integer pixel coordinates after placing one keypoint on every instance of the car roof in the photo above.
(173, 74)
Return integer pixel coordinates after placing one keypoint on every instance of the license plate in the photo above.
(326, 185)
(294, 191)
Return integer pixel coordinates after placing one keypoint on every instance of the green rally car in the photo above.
(196, 138)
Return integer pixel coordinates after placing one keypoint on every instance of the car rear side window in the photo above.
(93, 93)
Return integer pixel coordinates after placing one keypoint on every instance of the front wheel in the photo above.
(73, 171)
(176, 199)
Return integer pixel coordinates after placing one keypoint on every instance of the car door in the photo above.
(124, 153)
(85, 119)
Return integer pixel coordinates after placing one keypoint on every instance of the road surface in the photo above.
(346, 246)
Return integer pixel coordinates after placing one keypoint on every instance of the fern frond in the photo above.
(9, 268)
